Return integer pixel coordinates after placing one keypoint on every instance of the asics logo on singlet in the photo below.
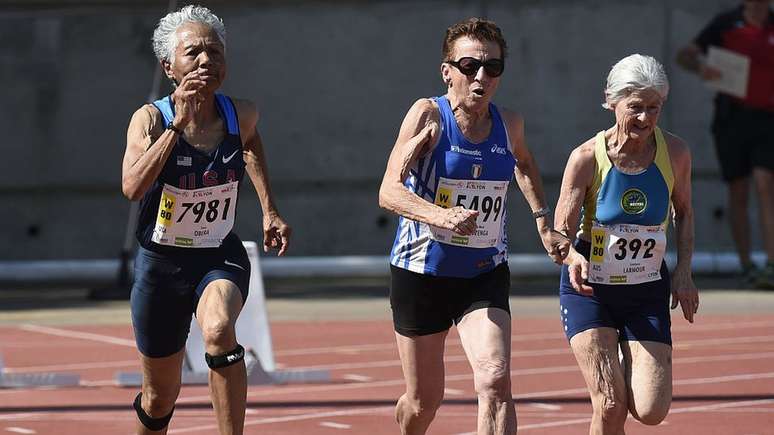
(227, 159)
(499, 150)
(457, 149)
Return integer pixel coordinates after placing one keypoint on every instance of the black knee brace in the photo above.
(154, 424)
(226, 359)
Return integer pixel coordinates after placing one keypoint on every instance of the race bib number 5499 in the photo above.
(198, 218)
(486, 197)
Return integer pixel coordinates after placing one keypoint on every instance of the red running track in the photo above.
(723, 369)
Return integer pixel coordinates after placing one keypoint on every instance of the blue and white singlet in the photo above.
(458, 172)
(187, 169)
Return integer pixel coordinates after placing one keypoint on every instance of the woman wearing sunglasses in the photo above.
(447, 178)
(621, 187)
(186, 155)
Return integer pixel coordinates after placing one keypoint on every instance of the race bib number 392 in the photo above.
(486, 197)
(626, 253)
(197, 218)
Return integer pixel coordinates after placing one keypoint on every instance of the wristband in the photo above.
(171, 126)
(542, 212)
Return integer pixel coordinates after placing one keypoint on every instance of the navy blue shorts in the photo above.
(167, 288)
(426, 304)
(639, 312)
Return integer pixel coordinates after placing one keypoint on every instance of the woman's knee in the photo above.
(492, 379)
(651, 413)
(611, 408)
(158, 400)
(422, 404)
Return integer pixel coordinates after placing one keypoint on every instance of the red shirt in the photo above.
(730, 31)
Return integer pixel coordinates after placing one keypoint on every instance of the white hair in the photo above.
(165, 36)
(635, 73)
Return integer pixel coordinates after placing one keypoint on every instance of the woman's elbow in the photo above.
(131, 191)
(385, 198)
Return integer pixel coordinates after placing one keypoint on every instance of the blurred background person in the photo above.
(742, 127)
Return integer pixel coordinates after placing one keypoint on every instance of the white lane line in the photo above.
(453, 392)
(720, 379)
(719, 341)
(539, 353)
(73, 366)
(364, 380)
(724, 405)
(76, 334)
(18, 416)
(296, 417)
(515, 338)
(547, 406)
(19, 430)
(357, 378)
(702, 408)
(335, 425)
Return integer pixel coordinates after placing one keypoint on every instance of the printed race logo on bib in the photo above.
(487, 197)
(198, 218)
(626, 253)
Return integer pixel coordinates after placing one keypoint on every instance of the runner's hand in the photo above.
(709, 73)
(276, 233)
(579, 272)
(188, 98)
(557, 245)
(458, 219)
(685, 293)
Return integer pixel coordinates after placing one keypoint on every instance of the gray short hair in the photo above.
(165, 35)
(635, 73)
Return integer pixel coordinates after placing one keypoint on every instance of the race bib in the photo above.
(486, 197)
(624, 254)
(198, 218)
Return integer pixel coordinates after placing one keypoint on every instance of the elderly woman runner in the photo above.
(621, 185)
(447, 178)
(185, 158)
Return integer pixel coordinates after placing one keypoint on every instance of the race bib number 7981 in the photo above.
(198, 218)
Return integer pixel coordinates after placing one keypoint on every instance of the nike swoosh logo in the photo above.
(228, 159)
(228, 263)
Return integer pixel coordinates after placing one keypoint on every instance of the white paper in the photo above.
(735, 70)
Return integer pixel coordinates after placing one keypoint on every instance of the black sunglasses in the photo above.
(470, 66)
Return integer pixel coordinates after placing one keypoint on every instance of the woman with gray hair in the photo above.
(185, 157)
(620, 187)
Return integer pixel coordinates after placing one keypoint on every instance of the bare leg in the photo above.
(738, 203)
(160, 387)
(596, 351)
(648, 367)
(764, 183)
(486, 337)
(423, 370)
(217, 313)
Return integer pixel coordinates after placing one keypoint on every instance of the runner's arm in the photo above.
(276, 232)
(684, 290)
(418, 133)
(577, 178)
(526, 172)
(148, 146)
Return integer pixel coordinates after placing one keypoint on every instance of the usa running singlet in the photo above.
(459, 173)
(192, 203)
(625, 217)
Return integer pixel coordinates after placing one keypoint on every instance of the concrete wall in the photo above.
(333, 80)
